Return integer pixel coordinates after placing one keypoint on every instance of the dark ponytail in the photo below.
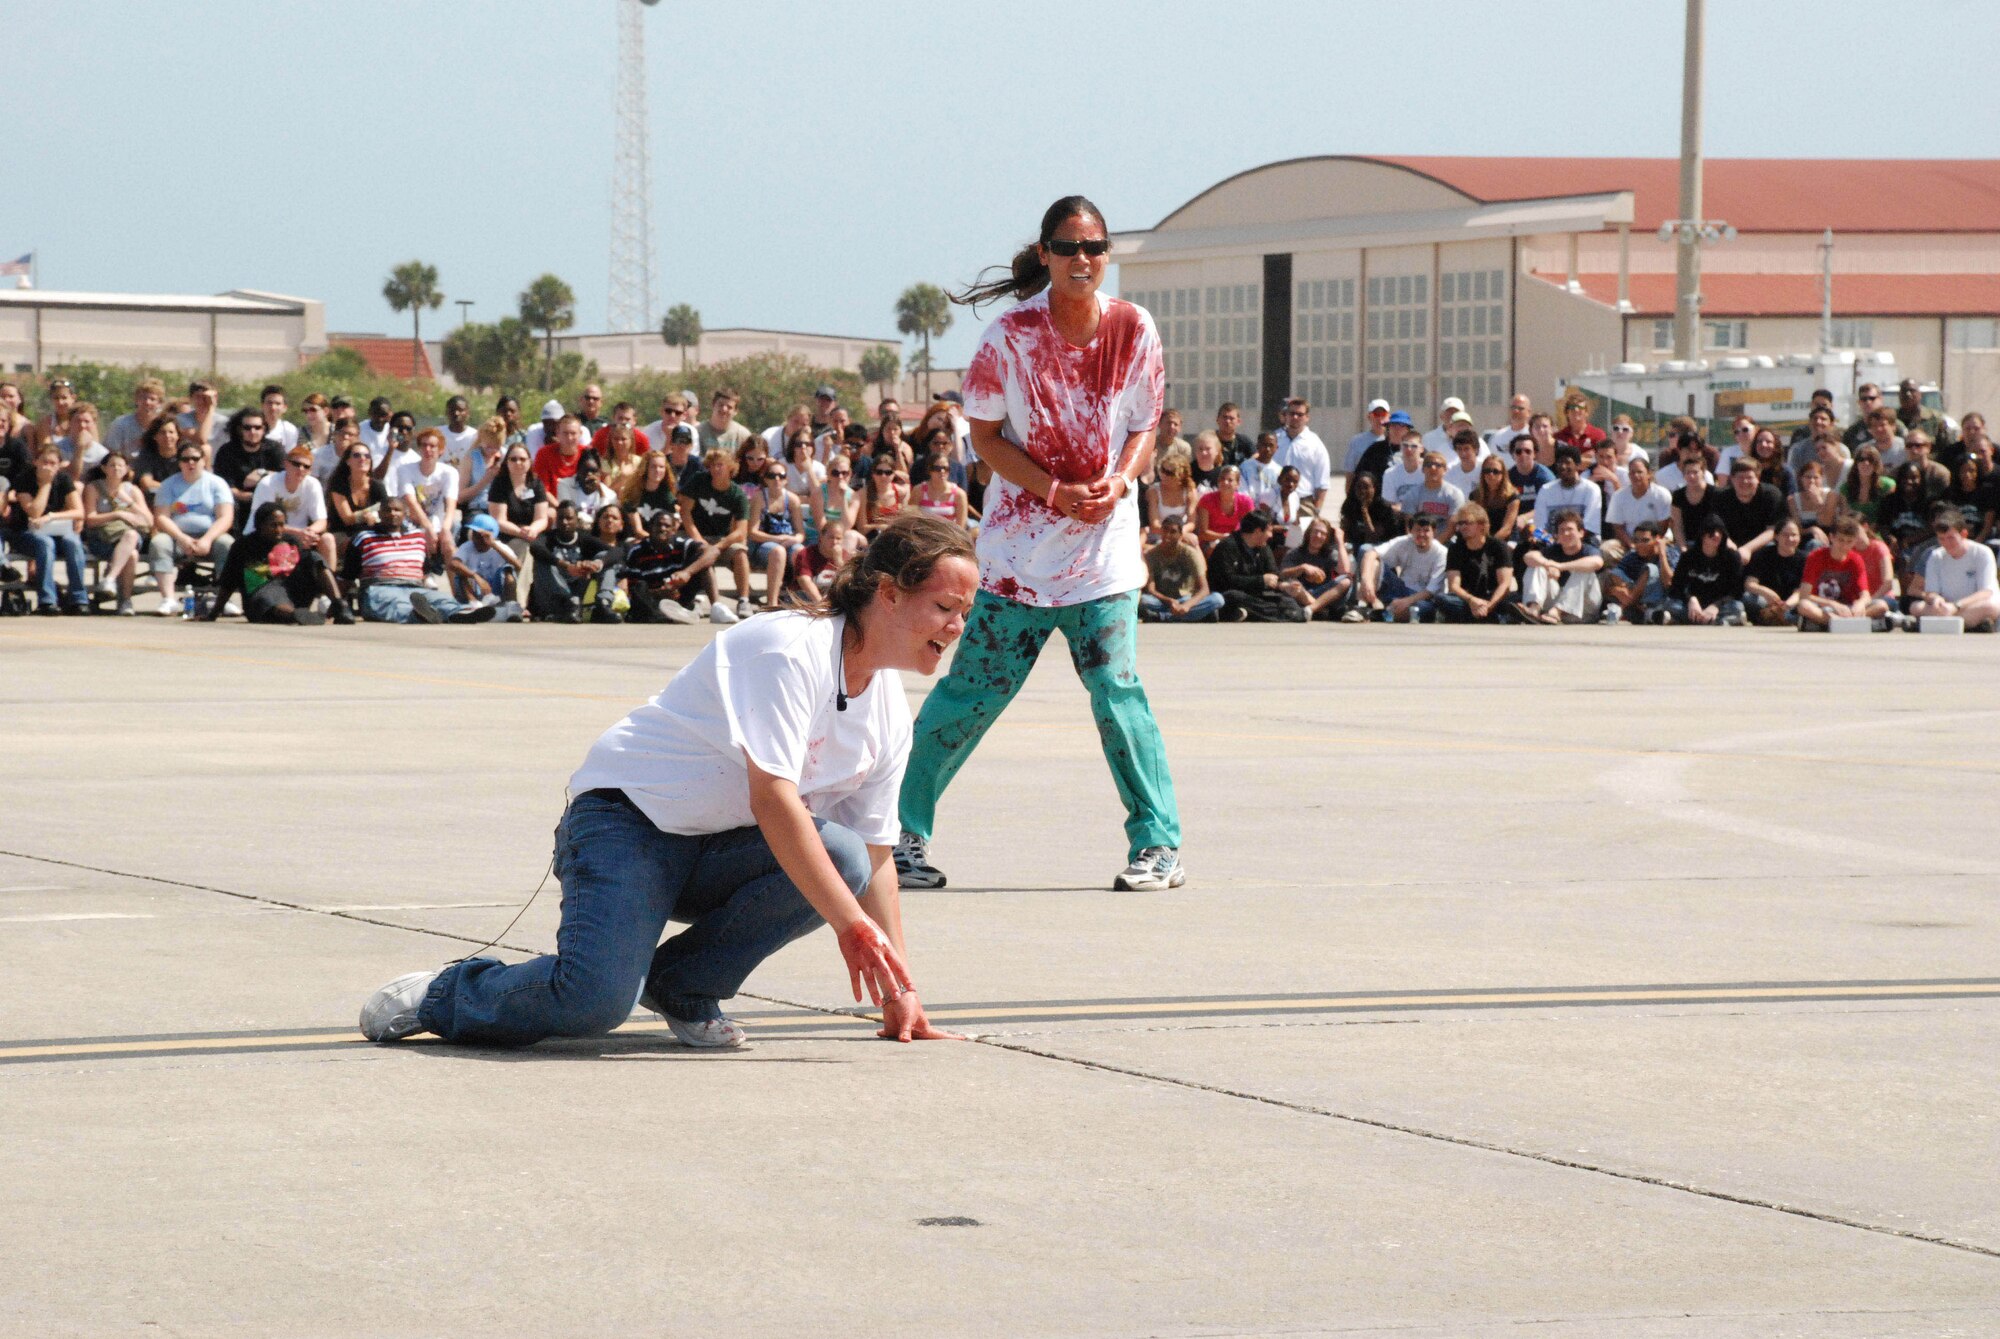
(1026, 275)
(907, 551)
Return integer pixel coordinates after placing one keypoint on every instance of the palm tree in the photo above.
(681, 329)
(412, 287)
(923, 311)
(548, 305)
(879, 366)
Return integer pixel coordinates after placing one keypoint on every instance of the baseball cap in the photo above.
(484, 524)
(826, 393)
(1378, 406)
(694, 401)
(1452, 402)
(683, 433)
(953, 396)
(553, 409)
(1400, 417)
(1461, 417)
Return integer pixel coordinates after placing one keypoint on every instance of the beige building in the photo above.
(622, 355)
(1346, 278)
(241, 333)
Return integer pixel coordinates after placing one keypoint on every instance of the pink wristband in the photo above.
(1054, 484)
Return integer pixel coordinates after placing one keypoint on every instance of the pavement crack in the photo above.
(1489, 1146)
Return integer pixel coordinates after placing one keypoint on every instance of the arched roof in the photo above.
(1923, 195)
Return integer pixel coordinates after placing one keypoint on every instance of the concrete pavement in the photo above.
(1621, 980)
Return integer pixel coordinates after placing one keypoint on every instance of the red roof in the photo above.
(397, 358)
(1754, 194)
(1798, 294)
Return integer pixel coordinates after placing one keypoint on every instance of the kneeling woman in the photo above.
(754, 798)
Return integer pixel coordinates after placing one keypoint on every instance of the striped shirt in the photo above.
(386, 557)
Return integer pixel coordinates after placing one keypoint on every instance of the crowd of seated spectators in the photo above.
(583, 515)
(1890, 519)
(344, 513)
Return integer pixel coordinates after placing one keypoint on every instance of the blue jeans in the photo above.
(41, 549)
(623, 879)
(1391, 586)
(384, 602)
(1205, 609)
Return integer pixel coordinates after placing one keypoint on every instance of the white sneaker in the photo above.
(710, 1034)
(675, 612)
(391, 1012)
(1154, 869)
(722, 613)
(744, 608)
(701, 606)
(913, 863)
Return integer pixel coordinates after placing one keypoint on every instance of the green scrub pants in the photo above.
(1002, 639)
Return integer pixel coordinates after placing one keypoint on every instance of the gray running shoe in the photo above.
(421, 606)
(1153, 870)
(913, 863)
(391, 1012)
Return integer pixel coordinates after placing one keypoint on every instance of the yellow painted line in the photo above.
(1354, 1003)
(1085, 1010)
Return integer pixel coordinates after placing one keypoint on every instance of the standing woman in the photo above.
(1062, 395)
(753, 798)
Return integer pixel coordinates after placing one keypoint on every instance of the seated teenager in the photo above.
(1836, 581)
(1176, 589)
(1773, 581)
(660, 571)
(485, 571)
(1320, 567)
(277, 577)
(566, 561)
(1244, 571)
(1636, 585)
(1559, 579)
(1959, 578)
(1478, 572)
(1401, 580)
(1708, 580)
(814, 566)
(386, 564)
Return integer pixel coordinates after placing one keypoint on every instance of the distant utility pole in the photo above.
(464, 309)
(1687, 266)
(1691, 231)
(1826, 292)
(631, 293)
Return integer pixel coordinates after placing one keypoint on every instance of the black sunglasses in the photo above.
(881, 471)
(185, 459)
(1096, 246)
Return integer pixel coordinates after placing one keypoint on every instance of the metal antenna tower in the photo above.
(631, 291)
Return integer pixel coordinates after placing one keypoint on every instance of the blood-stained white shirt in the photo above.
(1070, 409)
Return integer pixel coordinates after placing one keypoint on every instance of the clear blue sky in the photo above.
(813, 159)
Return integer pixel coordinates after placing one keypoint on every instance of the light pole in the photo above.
(464, 310)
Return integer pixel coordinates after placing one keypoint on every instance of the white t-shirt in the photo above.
(283, 434)
(1070, 410)
(1583, 498)
(1307, 454)
(1399, 480)
(457, 445)
(326, 460)
(762, 691)
(587, 504)
(1655, 505)
(491, 565)
(301, 508)
(1464, 480)
(375, 439)
(434, 492)
(1954, 579)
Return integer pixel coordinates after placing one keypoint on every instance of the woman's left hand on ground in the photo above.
(903, 1020)
(872, 961)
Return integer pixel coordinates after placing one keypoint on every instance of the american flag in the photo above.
(20, 267)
